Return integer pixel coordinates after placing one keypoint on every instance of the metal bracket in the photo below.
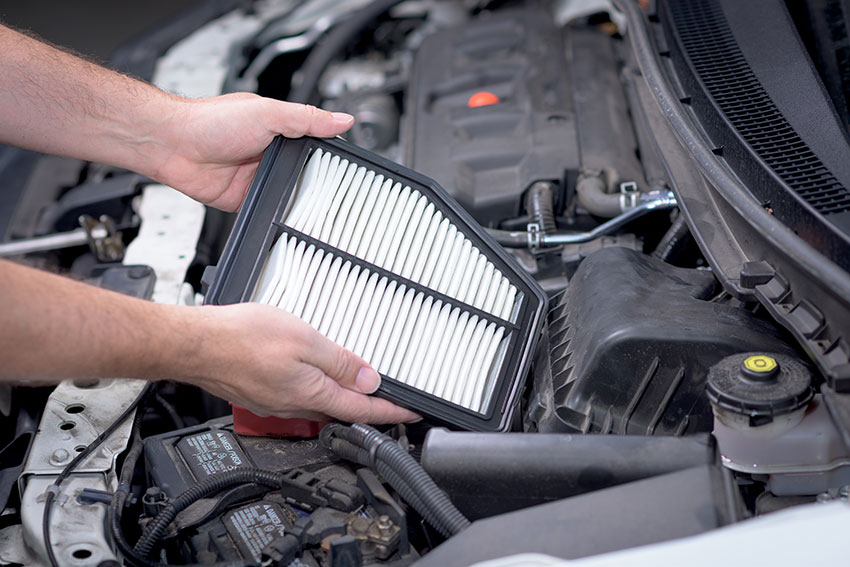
(103, 238)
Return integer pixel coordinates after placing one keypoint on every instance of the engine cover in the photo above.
(486, 156)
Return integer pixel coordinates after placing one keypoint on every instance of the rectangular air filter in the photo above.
(382, 261)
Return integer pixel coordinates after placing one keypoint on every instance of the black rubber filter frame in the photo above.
(259, 225)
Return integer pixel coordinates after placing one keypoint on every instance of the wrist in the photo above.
(192, 346)
(153, 137)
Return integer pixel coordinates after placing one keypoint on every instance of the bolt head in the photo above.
(384, 522)
(60, 456)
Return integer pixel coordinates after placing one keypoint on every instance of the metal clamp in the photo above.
(628, 195)
(534, 237)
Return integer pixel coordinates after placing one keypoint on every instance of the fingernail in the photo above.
(342, 117)
(416, 420)
(367, 380)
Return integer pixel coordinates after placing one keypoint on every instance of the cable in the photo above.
(66, 472)
(672, 240)
(170, 411)
(120, 497)
(157, 528)
(365, 445)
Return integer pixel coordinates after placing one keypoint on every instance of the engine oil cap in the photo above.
(759, 385)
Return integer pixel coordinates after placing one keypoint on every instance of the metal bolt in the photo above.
(384, 522)
(60, 455)
(358, 527)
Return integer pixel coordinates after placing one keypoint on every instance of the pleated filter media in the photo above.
(381, 261)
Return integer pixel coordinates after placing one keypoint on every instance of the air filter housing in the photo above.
(382, 261)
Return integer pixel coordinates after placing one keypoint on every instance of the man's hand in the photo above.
(213, 145)
(53, 102)
(52, 328)
(275, 364)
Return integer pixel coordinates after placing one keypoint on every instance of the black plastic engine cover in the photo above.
(487, 156)
(629, 345)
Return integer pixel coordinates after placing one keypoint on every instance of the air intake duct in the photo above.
(382, 261)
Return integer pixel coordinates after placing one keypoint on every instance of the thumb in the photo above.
(343, 366)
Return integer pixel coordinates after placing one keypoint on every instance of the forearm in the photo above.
(53, 328)
(258, 356)
(53, 102)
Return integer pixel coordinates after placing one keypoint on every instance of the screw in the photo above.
(60, 455)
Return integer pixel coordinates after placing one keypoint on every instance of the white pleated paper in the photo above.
(409, 335)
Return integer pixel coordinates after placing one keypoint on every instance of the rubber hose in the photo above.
(509, 238)
(436, 501)
(336, 40)
(540, 204)
(152, 536)
(672, 239)
(591, 192)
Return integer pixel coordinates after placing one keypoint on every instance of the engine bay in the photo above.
(654, 402)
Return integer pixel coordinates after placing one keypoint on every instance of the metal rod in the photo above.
(666, 201)
(76, 237)
(648, 202)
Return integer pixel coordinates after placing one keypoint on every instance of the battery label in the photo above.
(211, 452)
(254, 527)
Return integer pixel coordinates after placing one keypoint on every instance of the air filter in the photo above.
(382, 261)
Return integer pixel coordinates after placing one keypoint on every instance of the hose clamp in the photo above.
(534, 237)
(373, 450)
(628, 195)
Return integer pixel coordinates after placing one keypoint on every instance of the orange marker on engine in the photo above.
(482, 98)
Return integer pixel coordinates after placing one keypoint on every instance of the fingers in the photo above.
(350, 406)
(295, 120)
(343, 366)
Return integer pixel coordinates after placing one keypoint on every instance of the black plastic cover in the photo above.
(629, 347)
(758, 160)
(486, 474)
(662, 508)
(778, 130)
(258, 225)
(487, 156)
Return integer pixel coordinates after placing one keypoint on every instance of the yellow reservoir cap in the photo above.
(760, 363)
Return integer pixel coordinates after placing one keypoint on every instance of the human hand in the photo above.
(275, 364)
(212, 146)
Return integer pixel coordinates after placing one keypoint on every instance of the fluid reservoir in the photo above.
(769, 423)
